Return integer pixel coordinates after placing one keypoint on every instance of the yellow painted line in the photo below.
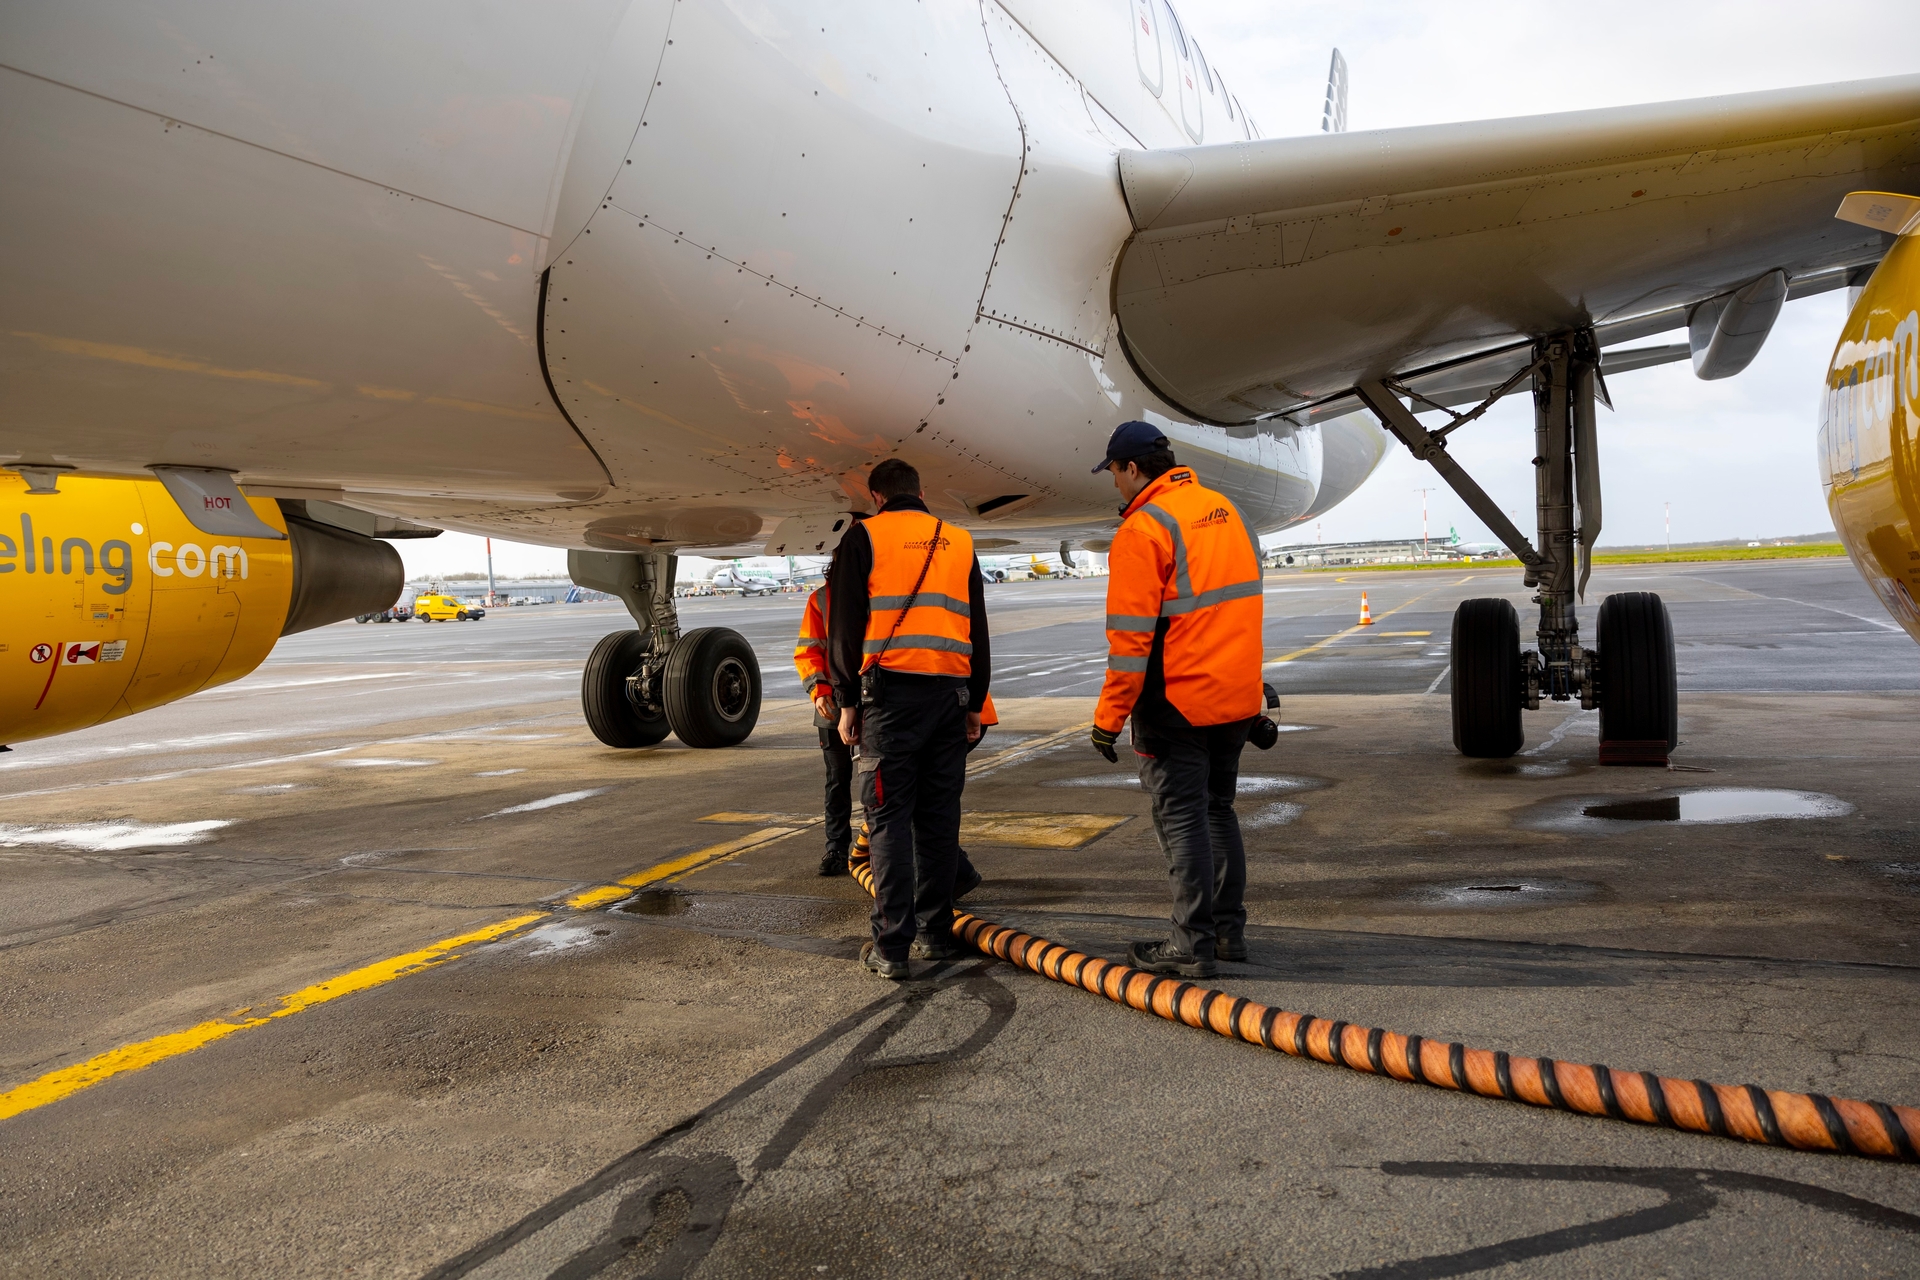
(1021, 750)
(730, 818)
(1468, 578)
(56, 1085)
(1341, 635)
(684, 865)
(1038, 830)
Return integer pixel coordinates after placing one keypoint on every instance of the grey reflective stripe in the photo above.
(1130, 622)
(808, 642)
(1117, 663)
(927, 600)
(1181, 582)
(918, 642)
(1207, 599)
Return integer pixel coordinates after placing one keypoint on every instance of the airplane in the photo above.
(663, 276)
(747, 581)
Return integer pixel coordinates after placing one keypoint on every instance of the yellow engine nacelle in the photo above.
(1870, 430)
(112, 602)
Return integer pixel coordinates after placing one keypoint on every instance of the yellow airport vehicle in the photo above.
(112, 601)
(438, 608)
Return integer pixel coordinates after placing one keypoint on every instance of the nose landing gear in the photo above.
(1631, 676)
(638, 686)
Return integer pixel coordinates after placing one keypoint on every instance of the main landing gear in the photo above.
(641, 685)
(1629, 676)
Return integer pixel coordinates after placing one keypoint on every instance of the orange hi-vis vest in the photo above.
(935, 637)
(1184, 554)
(810, 650)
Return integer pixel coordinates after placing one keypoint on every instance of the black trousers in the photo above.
(839, 760)
(913, 767)
(1192, 773)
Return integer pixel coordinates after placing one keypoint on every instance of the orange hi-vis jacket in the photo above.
(1184, 556)
(810, 650)
(936, 636)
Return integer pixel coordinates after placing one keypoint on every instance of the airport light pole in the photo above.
(1424, 553)
(489, 573)
(1669, 507)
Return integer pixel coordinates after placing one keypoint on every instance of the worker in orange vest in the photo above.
(810, 660)
(908, 654)
(1184, 605)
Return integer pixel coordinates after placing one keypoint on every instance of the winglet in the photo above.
(1882, 210)
(1334, 118)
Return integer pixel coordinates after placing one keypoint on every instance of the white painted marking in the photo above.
(1437, 679)
(1561, 730)
(108, 837)
(382, 762)
(251, 687)
(565, 797)
(498, 773)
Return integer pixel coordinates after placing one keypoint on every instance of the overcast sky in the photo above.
(1735, 458)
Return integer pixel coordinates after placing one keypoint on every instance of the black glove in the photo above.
(1103, 740)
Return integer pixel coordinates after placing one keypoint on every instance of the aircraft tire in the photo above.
(1639, 694)
(603, 693)
(712, 688)
(1486, 679)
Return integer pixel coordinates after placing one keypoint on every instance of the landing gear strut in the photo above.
(1634, 684)
(640, 685)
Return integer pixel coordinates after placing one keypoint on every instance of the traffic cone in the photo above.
(1366, 614)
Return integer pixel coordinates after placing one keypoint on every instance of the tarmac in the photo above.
(377, 963)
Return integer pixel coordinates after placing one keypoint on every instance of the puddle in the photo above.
(1273, 815)
(383, 762)
(270, 789)
(552, 939)
(498, 773)
(1705, 806)
(1721, 804)
(110, 837)
(655, 902)
(1506, 891)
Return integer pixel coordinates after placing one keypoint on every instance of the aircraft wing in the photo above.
(1270, 277)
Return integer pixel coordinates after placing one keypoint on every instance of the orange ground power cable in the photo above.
(1776, 1117)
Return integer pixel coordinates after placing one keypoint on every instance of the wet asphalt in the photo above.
(699, 1080)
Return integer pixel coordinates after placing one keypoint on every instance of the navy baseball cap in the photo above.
(1131, 440)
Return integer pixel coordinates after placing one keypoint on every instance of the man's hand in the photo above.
(1103, 740)
(824, 705)
(849, 726)
(974, 727)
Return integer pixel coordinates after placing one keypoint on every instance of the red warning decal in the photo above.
(40, 652)
(80, 654)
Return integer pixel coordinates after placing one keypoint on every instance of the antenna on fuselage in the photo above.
(1333, 119)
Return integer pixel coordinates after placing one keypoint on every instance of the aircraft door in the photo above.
(1146, 45)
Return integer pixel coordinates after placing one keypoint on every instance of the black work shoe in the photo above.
(966, 882)
(1163, 957)
(925, 949)
(891, 970)
(1234, 949)
(833, 864)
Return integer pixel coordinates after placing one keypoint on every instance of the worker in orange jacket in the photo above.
(810, 660)
(1184, 616)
